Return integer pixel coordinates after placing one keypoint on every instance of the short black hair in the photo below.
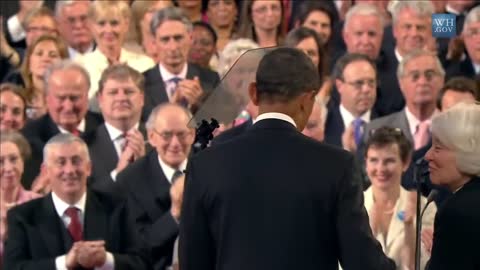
(346, 60)
(459, 84)
(285, 73)
(207, 27)
(385, 136)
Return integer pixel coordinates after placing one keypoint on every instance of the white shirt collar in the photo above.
(61, 206)
(413, 121)
(167, 75)
(476, 68)
(449, 9)
(115, 133)
(275, 115)
(398, 56)
(348, 117)
(74, 53)
(169, 171)
(80, 127)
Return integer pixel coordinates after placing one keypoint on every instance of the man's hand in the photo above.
(176, 196)
(91, 254)
(71, 258)
(26, 6)
(189, 90)
(136, 142)
(348, 139)
(41, 184)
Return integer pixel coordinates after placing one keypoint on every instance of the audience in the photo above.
(223, 17)
(13, 107)
(15, 150)
(203, 49)
(40, 55)
(456, 90)
(71, 17)
(318, 17)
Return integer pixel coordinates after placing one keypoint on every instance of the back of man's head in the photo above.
(286, 73)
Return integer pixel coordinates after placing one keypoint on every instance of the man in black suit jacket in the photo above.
(147, 182)
(121, 139)
(356, 80)
(67, 105)
(278, 211)
(72, 227)
(173, 79)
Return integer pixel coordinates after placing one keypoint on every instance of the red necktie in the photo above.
(124, 146)
(76, 132)
(75, 227)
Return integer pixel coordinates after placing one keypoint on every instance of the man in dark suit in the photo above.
(67, 104)
(356, 80)
(148, 181)
(173, 79)
(120, 140)
(288, 217)
(72, 227)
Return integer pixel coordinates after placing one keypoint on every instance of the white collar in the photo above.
(398, 56)
(348, 117)
(115, 133)
(169, 171)
(449, 9)
(275, 115)
(413, 121)
(61, 206)
(476, 68)
(167, 75)
(80, 127)
(74, 53)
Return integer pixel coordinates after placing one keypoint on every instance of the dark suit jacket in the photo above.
(232, 133)
(155, 91)
(103, 154)
(147, 190)
(37, 235)
(39, 131)
(456, 237)
(462, 68)
(276, 210)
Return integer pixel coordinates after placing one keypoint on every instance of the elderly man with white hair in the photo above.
(454, 162)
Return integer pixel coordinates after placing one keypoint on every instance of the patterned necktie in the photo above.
(123, 145)
(74, 227)
(422, 135)
(174, 81)
(358, 124)
(176, 175)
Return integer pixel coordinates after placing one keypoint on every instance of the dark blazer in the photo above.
(37, 235)
(39, 131)
(456, 237)
(461, 68)
(232, 133)
(103, 154)
(155, 91)
(148, 192)
(276, 210)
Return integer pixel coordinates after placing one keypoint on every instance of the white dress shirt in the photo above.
(275, 115)
(348, 117)
(15, 28)
(72, 53)
(80, 127)
(60, 208)
(413, 121)
(167, 76)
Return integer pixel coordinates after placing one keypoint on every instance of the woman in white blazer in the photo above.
(391, 208)
(109, 23)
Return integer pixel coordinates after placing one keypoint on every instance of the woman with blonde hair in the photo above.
(454, 162)
(109, 23)
(41, 54)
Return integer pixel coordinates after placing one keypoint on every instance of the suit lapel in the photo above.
(49, 227)
(404, 125)
(95, 224)
(51, 128)
(104, 148)
(158, 91)
(397, 226)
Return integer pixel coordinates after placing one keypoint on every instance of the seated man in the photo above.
(72, 227)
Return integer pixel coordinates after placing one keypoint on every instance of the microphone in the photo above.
(430, 198)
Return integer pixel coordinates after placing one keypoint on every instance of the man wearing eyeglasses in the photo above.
(356, 80)
(149, 182)
(120, 140)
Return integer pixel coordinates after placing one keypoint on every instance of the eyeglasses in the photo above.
(428, 74)
(168, 135)
(358, 84)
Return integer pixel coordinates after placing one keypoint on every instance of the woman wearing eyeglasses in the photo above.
(390, 207)
(454, 162)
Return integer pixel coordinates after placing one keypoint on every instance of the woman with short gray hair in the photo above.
(454, 162)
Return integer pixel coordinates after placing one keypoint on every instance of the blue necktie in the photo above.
(358, 130)
(176, 80)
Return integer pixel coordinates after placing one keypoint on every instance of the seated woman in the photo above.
(12, 107)
(390, 207)
(310, 42)
(14, 150)
(454, 163)
(41, 54)
(109, 22)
